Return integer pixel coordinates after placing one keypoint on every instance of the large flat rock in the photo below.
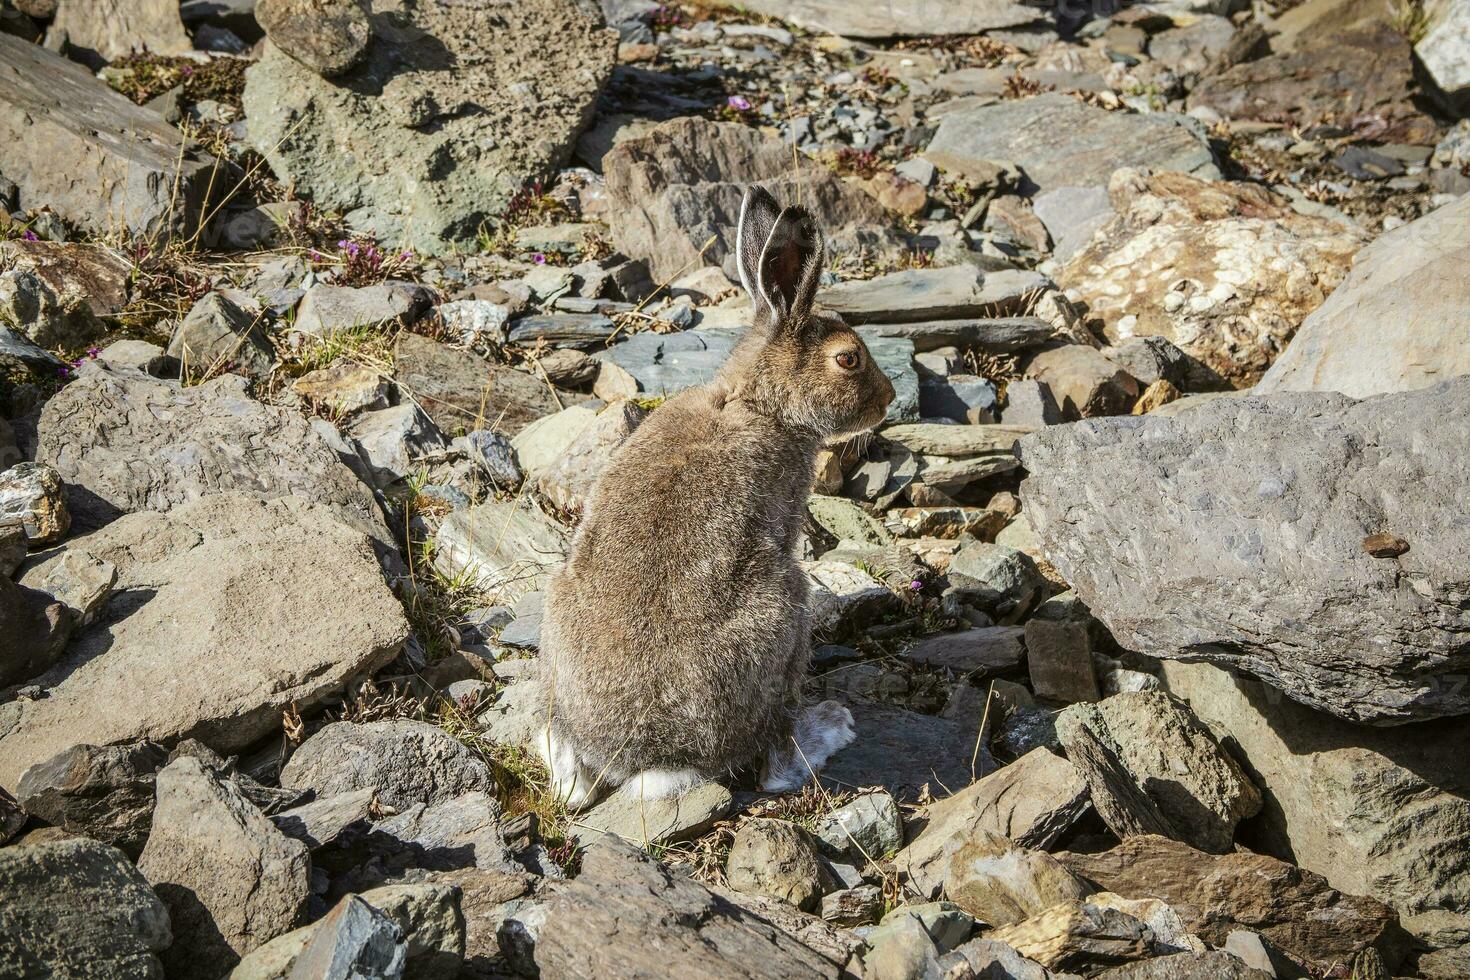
(1060, 141)
(124, 441)
(920, 295)
(453, 108)
(1235, 533)
(228, 611)
(895, 18)
(1398, 321)
(58, 123)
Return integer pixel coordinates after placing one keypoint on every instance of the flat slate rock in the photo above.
(895, 18)
(999, 335)
(919, 295)
(1061, 141)
(666, 364)
(649, 823)
(461, 391)
(580, 330)
(58, 121)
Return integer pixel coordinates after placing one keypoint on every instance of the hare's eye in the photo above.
(848, 360)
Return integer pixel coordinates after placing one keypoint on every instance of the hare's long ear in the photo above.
(791, 266)
(758, 214)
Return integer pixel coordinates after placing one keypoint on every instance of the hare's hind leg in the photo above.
(571, 782)
(819, 732)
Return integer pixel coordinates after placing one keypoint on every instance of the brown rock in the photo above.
(1076, 937)
(775, 858)
(1085, 383)
(327, 36)
(1362, 77)
(462, 391)
(1032, 801)
(1385, 545)
(1000, 884)
(897, 193)
(105, 30)
(672, 190)
(1156, 395)
(1215, 894)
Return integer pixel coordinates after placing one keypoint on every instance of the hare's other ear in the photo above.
(758, 214)
(791, 265)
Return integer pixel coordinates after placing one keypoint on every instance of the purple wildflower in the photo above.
(916, 585)
(30, 236)
(538, 257)
(739, 103)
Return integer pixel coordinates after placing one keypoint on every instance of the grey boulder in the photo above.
(129, 442)
(1174, 760)
(102, 792)
(407, 761)
(1061, 141)
(228, 610)
(78, 908)
(230, 879)
(412, 152)
(1255, 554)
(57, 121)
(1396, 322)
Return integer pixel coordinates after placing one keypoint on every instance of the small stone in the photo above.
(1032, 801)
(354, 941)
(391, 441)
(1156, 395)
(866, 829)
(326, 310)
(344, 388)
(33, 494)
(648, 823)
(1385, 545)
(851, 907)
(327, 36)
(505, 549)
(80, 581)
(1059, 650)
(962, 397)
(219, 335)
(323, 820)
(982, 650)
(1085, 383)
(475, 322)
(1076, 937)
(524, 632)
(406, 761)
(1029, 402)
(1000, 883)
(775, 858)
(1001, 580)
(140, 356)
(493, 455)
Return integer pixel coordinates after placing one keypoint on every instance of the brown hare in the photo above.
(676, 636)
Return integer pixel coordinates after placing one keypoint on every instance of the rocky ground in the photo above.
(318, 322)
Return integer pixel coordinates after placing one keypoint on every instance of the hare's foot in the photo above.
(658, 784)
(571, 782)
(820, 732)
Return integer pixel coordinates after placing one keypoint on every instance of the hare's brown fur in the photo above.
(677, 634)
